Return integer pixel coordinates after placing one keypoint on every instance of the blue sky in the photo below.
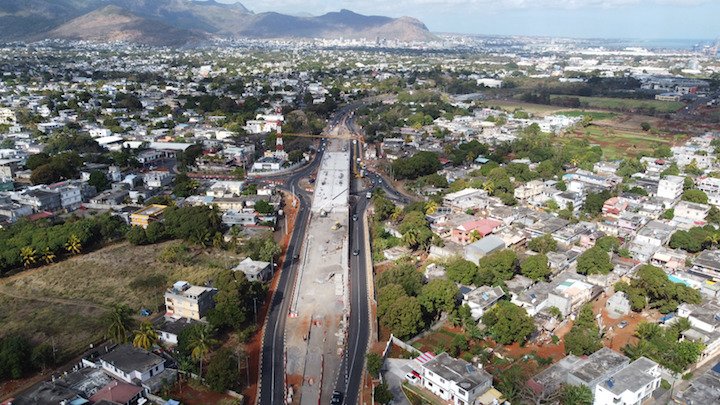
(687, 19)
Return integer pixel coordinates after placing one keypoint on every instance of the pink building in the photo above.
(483, 227)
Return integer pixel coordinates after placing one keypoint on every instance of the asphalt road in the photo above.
(272, 367)
(351, 368)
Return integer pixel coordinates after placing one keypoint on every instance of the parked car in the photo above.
(337, 398)
(412, 378)
(623, 324)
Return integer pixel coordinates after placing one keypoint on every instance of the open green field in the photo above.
(535, 109)
(617, 144)
(65, 301)
(625, 104)
(595, 115)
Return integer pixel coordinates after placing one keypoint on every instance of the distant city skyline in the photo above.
(641, 19)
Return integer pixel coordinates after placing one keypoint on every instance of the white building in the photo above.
(264, 124)
(531, 189)
(100, 132)
(481, 299)
(670, 187)
(455, 380)
(157, 179)
(7, 117)
(469, 198)
(632, 385)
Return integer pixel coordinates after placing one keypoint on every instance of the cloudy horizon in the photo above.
(641, 19)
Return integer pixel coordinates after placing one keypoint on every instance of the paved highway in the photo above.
(272, 366)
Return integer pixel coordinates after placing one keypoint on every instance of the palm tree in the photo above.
(489, 186)
(145, 336)
(28, 254)
(411, 238)
(73, 245)
(119, 322)
(200, 344)
(48, 256)
(431, 207)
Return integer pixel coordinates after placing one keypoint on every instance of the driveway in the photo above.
(394, 377)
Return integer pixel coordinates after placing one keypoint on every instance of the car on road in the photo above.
(368, 195)
(356, 252)
(355, 217)
(296, 256)
(337, 398)
(623, 324)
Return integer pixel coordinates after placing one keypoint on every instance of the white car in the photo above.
(412, 378)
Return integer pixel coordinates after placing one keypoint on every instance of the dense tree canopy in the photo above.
(508, 323)
(496, 268)
(404, 274)
(420, 164)
(584, 337)
(651, 286)
(594, 261)
(535, 267)
(543, 244)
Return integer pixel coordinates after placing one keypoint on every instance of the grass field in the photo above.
(535, 109)
(595, 115)
(65, 301)
(617, 144)
(625, 104)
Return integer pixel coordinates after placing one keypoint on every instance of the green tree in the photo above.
(382, 394)
(404, 274)
(608, 243)
(137, 236)
(535, 267)
(15, 350)
(235, 300)
(713, 215)
(594, 261)
(118, 323)
(460, 270)
(543, 244)
(145, 336)
(499, 266)
(508, 323)
(404, 318)
(695, 196)
(222, 372)
(200, 344)
(374, 364)
(438, 296)
(594, 202)
(584, 337)
(387, 296)
(576, 395)
(99, 180)
(264, 207)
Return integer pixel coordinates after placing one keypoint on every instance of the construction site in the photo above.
(316, 330)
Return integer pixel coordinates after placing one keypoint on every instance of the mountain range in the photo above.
(183, 22)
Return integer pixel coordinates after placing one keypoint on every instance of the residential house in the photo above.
(169, 329)
(705, 327)
(465, 233)
(618, 305)
(529, 190)
(137, 366)
(255, 270)
(146, 215)
(158, 179)
(649, 239)
(688, 214)
(463, 200)
(187, 301)
(477, 250)
(40, 200)
(707, 264)
(569, 199)
(480, 299)
(670, 187)
(455, 380)
(703, 389)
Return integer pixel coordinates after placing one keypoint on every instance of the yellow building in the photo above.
(146, 215)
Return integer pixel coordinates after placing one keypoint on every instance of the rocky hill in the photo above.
(177, 22)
